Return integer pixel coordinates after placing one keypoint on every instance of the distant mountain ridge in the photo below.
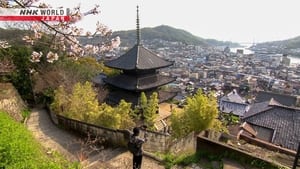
(13, 36)
(168, 33)
(289, 46)
(292, 43)
(128, 38)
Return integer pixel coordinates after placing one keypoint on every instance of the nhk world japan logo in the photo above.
(34, 14)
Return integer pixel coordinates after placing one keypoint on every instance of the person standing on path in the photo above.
(135, 145)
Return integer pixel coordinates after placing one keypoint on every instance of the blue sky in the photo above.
(232, 20)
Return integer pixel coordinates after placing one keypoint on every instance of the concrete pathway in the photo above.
(54, 138)
(50, 136)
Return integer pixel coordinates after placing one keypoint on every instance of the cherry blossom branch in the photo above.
(65, 35)
(43, 22)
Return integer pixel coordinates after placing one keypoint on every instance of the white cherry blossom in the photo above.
(35, 56)
(51, 57)
(4, 44)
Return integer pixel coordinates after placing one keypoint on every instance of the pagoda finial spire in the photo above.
(138, 34)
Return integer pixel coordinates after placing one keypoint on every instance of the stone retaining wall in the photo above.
(216, 148)
(157, 142)
(11, 102)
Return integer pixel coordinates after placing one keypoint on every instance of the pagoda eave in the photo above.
(135, 68)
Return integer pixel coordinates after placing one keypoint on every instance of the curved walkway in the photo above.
(54, 138)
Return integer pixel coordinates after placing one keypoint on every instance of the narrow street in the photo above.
(70, 146)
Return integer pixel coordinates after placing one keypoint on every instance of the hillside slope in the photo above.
(11, 102)
(163, 32)
(292, 43)
(128, 38)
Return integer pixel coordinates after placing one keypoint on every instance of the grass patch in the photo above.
(18, 149)
(183, 160)
(171, 160)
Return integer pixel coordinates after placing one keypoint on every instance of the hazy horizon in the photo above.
(231, 20)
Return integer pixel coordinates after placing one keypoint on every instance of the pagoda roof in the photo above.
(138, 58)
(134, 83)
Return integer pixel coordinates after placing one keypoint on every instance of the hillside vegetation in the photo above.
(169, 33)
(292, 43)
(18, 149)
(163, 32)
(13, 36)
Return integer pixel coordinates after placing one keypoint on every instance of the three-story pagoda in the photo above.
(140, 73)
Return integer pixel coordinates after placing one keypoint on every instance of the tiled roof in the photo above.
(232, 107)
(233, 97)
(233, 103)
(138, 58)
(287, 100)
(261, 107)
(285, 121)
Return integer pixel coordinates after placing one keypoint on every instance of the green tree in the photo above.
(81, 104)
(199, 114)
(126, 113)
(21, 78)
(150, 112)
(84, 103)
(108, 118)
(61, 101)
(41, 43)
(141, 108)
(108, 71)
(66, 72)
(119, 117)
(178, 124)
(143, 101)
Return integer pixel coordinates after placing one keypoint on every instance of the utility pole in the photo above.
(296, 162)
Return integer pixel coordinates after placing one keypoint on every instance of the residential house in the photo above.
(233, 103)
(275, 123)
(281, 86)
(287, 100)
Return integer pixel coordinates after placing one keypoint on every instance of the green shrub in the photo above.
(184, 159)
(82, 105)
(171, 160)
